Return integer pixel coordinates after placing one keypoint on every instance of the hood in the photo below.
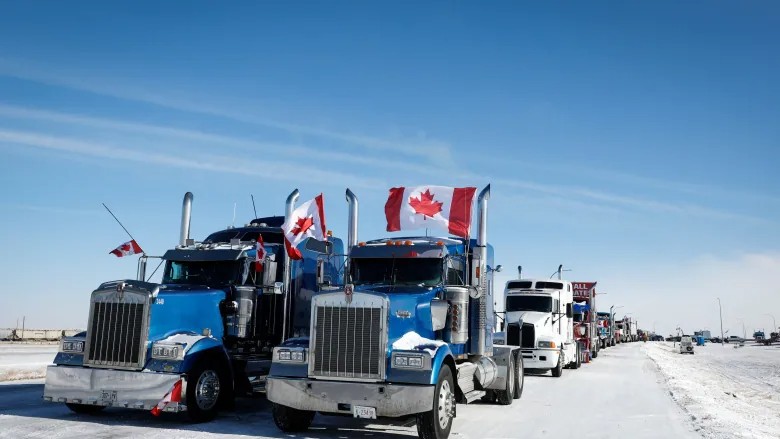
(410, 309)
(535, 318)
(186, 310)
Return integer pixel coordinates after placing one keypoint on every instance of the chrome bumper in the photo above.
(112, 388)
(390, 400)
(532, 358)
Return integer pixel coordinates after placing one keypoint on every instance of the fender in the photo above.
(197, 346)
(443, 356)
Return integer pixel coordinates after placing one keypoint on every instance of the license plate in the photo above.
(363, 412)
(108, 395)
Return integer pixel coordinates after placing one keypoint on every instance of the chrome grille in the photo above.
(117, 330)
(349, 339)
(528, 336)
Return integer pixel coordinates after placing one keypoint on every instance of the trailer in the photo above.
(585, 318)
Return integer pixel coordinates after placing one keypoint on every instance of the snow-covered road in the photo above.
(728, 392)
(25, 361)
(619, 395)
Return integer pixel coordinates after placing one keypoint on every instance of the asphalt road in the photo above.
(619, 395)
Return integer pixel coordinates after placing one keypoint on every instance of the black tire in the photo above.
(207, 387)
(429, 424)
(595, 352)
(489, 396)
(84, 409)
(291, 420)
(519, 376)
(506, 395)
(557, 371)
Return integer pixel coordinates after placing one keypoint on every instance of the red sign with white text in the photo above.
(582, 289)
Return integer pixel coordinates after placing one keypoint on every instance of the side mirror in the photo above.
(277, 288)
(498, 268)
(321, 247)
(321, 280)
(269, 273)
(569, 310)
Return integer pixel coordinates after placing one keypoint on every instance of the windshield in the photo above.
(201, 273)
(396, 271)
(529, 303)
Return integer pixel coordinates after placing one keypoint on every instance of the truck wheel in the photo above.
(595, 352)
(84, 409)
(437, 423)
(506, 395)
(206, 386)
(519, 376)
(291, 420)
(557, 371)
(578, 361)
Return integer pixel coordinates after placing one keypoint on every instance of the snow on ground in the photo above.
(19, 361)
(728, 392)
(621, 394)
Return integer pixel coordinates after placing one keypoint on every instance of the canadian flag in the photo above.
(437, 207)
(260, 256)
(129, 248)
(173, 395)
(306, 221)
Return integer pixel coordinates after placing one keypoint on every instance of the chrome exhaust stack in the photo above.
(352, 221)
(287, 279)
(479, 273)
(186, 216)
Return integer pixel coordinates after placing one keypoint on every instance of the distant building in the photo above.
(704, 333)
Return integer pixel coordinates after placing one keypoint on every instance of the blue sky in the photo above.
(635, 143)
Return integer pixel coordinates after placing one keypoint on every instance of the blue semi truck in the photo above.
(209, 327)
(409, 335)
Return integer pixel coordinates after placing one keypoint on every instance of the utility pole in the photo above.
(720, 310)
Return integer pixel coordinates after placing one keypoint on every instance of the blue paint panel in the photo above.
(166, 366)
(408, 376)
(65, 359)
(441, 354)
(182, 311)
(286, 369)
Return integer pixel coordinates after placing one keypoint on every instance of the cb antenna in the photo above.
(253, 204)
(118, 222)
(234, 215)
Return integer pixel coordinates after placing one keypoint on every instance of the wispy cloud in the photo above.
(290, 150)
(207, 162)
(435, 151)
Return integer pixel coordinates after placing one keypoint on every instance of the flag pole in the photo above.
(118, 222)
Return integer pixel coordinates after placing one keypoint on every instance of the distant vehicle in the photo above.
(734, 339)
(774, 337)
(758, 335)
(715, 340)
(686, 345)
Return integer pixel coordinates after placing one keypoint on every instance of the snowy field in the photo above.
(25, 361)
(620, 395)
(727, 392)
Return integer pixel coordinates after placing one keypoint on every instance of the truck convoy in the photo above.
(203, 335)
(606, 330)
(540, 319)
(585, 320)
(410, 334)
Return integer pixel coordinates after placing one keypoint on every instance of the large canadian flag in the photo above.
(306, 221)
(436, 207)
(129, 248)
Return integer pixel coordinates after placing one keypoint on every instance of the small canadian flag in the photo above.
(129, 248)
(260, 257)
(173, 395)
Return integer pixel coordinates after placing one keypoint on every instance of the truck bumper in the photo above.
(111, 388)
(540, 358)
(390, 400)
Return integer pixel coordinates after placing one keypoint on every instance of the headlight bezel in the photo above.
(411, 360)
(72, 345)
(168, 351)
(290, 355)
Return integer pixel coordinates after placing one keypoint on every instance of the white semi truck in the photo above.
(539, 319)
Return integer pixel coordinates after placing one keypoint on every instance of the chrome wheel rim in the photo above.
(445, 404)
(207, 390)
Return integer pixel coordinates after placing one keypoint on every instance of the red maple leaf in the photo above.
(425, 205)
(302, 225)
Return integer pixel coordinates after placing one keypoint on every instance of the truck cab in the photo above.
(409, 335)
(606, 336)
(206, 331)
(539, 318)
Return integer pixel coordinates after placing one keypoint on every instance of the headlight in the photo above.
(408, 361)
(72, 346)
(167, 351)
(546, 344)
(297, 355)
